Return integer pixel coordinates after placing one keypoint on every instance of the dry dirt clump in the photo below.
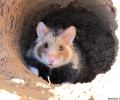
(98, 22)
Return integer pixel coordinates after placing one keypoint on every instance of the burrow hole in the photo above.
(96, 40)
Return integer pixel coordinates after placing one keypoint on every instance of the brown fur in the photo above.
(53, 49)
(64, 39)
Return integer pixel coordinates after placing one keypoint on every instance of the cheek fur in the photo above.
(41, 50)
(64, 54)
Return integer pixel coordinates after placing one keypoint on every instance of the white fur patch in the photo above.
(45, 59)
(64, 83)
(34, 70)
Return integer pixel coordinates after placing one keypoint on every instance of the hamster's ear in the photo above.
(41, 30)
(69, 34)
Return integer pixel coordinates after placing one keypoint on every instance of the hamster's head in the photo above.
(54, 51)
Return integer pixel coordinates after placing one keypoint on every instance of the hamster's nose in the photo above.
(51, 59)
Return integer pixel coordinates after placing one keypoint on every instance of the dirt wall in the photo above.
(18, 20)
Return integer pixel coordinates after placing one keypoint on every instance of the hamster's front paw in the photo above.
(34, 70)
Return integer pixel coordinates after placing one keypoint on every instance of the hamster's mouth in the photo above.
(51, 65)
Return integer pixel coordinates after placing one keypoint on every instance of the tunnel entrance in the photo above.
(94, 37)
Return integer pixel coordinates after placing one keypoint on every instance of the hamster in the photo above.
(57, 55)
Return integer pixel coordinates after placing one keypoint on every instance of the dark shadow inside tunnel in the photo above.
(93, 36)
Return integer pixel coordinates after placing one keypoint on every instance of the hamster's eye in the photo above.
(46, 45)
(61, 48)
